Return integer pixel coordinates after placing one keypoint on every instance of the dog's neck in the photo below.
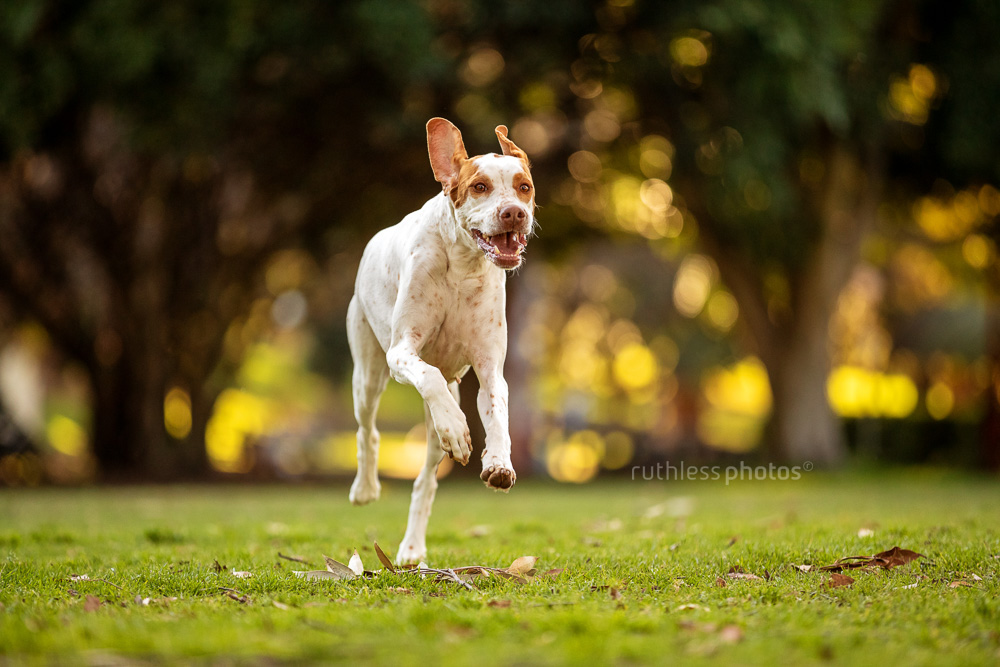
(463, 252)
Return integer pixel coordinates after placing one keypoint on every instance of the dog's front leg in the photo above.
(498, 472)
(413, 548)
(406, 366)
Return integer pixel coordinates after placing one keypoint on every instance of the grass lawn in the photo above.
(645, 574)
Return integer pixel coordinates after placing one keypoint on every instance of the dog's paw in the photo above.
(411, 552)
(364, 491)
(498, 477)
(453, 432)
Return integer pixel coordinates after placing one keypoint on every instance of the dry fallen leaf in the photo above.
(803, 568)
(554, 572)
(241, 574)
(736, 572)
(355, 564)
(615, 594)
(91, 603)
(384, 559)
(720, 582)
(887, 560)
(522, 565)
(837, 580)
(501, 604)
(400, 590)
(956, 584)
(338, 568)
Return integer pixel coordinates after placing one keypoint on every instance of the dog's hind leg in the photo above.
(370, 377)
(413, 548)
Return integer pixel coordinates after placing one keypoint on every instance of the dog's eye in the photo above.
(525, 187)
(479, 187)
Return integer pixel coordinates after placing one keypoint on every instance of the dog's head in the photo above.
(493, 195)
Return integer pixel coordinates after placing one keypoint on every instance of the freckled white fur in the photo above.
(428, 305)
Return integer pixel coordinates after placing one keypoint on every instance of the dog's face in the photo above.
(494, 196)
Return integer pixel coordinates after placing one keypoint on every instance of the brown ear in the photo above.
(508, 146)
(446, 150)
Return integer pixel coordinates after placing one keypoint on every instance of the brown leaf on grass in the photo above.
(736, 572)
(803, 568)
(472, 571)
(338, 568)
(500, 604)
(838, 580)
(615, 593)
(91, 603)
(554, 572)
(382, 558)
(887, 560)
(731, 634)
(294, 559)
(521, 566)
(720, 582)
(242, 599)
(895, 557)
(956, 584)
(400, 590)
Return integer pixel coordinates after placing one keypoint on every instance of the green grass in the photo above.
(635, 588)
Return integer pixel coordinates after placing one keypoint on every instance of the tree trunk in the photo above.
(803, 427)
(795, 350)
(121, 413)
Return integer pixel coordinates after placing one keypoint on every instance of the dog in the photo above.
(429, 304)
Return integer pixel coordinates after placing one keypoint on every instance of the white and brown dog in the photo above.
(429, 304)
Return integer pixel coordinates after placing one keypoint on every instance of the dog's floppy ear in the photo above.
(508, 146)
(446, 150)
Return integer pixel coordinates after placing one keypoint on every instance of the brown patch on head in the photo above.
(469, 177)
(510, 148)
(525, 188)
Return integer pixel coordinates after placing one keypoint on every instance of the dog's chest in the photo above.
(473, 324)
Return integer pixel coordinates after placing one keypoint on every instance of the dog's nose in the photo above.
(512, 215)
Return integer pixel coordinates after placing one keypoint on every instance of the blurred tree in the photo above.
(154, 159)
(793, 122)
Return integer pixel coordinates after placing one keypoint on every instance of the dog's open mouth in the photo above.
(504, 250)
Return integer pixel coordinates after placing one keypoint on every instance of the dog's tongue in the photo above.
(506, 243)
